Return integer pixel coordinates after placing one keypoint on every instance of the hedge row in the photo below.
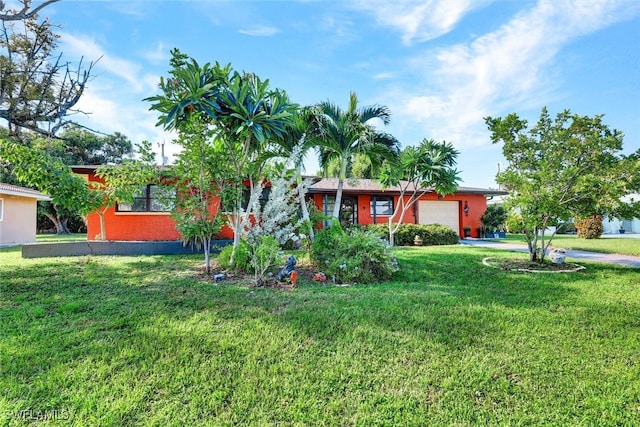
(431, 234)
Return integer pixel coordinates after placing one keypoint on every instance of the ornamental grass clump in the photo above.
(352, 257)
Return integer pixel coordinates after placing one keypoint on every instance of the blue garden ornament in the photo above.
(289, 267)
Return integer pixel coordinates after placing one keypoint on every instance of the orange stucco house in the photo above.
(364, 202)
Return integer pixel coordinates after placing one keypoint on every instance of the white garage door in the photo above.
(439, 212)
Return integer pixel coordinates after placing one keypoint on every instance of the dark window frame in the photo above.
(147, 202)
(348, 211)
(374, 207)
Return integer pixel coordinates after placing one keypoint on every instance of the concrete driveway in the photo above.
(625, 260)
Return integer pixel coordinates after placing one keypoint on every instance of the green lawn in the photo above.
(48, 238)
(112, 341)
(609, 245)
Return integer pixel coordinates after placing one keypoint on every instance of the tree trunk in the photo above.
(391, 232)
(207, 255)
(103, 226)
(341, 179)
(305, 211)
(59, 222)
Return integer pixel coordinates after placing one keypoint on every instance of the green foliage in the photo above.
(567, 167)
(246, 115)
(515, 224)
(431, 234)
(494, 218)
(264, 256)
(340, 135)
(241, 261)
(566, 227)
(353, 257)
(430, 166)
(590, 227)
(50, 176)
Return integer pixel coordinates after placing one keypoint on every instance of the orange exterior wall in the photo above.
(132, 226)
(477, 204)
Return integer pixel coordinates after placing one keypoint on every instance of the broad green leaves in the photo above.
(567, 167)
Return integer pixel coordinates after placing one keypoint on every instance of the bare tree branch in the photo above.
(37, 89)
(25, 13)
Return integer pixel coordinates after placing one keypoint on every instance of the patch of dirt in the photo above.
(305, 275)
(531, 267)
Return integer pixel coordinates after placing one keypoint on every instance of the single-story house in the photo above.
(614, 225)
(18, 214)
(364, 202)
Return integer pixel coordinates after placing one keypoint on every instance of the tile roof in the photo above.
(325, 185)
(14, 190)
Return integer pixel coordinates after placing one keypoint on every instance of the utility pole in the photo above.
(162, 156)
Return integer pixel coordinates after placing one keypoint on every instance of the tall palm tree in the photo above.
(340, 135)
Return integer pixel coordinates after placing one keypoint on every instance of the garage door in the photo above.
(439, 212)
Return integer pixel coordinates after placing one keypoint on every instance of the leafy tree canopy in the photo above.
(562, 168)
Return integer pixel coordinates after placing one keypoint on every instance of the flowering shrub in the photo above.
(353, 257)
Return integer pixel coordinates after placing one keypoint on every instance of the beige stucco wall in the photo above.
(19, 220)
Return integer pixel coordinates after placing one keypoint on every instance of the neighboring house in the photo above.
(18, 214)
(148, 218)
(614, 225)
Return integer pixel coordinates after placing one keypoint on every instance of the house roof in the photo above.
(14, 190)
(369, 186)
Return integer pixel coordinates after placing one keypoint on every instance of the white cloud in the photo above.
(157, 54)
(80, 46)
(508, 69)
(420, 20)
(260, 31)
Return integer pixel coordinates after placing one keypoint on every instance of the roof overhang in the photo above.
(14, 190)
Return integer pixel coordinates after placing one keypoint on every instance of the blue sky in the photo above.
(439, 65)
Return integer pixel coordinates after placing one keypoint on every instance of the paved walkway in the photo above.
(626, 260)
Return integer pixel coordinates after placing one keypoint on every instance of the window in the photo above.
(381, 206)
(348, 209)
(151, 198)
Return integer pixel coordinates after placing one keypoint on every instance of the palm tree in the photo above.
(341, 135)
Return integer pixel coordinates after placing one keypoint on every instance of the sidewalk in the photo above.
(625, 260)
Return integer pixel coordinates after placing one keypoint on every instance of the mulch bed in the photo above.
(531, 267)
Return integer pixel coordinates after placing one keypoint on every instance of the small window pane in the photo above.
(382, 206)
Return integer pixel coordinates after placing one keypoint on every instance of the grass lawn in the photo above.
(73, 237)
(608, 245)
(112, 341)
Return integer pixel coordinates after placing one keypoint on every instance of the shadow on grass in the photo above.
(115, 315)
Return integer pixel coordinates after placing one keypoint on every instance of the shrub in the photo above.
(590, 227)
(266, 254)
(354, 257)
(494, 218)
(431, 234)
(242, 261)
(566, 227)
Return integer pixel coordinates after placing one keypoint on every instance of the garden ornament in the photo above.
(289, 268)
